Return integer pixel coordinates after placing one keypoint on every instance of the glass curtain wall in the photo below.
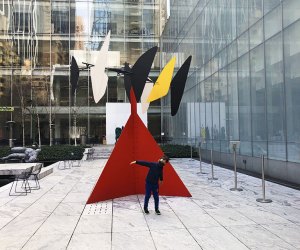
(38, 39)
(246, 56)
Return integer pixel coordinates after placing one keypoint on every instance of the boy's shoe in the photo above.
(146, 210)
(157, 212)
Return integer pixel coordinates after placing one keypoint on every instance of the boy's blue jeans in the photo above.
(154, 189)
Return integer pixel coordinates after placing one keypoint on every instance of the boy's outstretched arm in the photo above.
(143, 163)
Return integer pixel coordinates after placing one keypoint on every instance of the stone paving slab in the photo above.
(56, 217)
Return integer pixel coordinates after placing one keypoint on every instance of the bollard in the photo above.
(263, 200)
(200, 160)
(212, 166)
(191, 153)
(235, 188)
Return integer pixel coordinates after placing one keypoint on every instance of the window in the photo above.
(273, 22)
(275, 98)
(292, 88)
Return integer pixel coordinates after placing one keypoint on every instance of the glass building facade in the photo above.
(244, 82)
(38, 39)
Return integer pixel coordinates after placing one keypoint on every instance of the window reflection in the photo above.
(273, 22)
(258, 99)
(292, 88)
(38, 39)
(291, 12)
(60, 18)
(244, 105)
(239, 51)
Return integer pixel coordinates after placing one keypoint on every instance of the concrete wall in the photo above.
(117, 115)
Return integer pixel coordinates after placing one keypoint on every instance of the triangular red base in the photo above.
(119, 178)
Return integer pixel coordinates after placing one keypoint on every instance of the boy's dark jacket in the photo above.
(155, 171)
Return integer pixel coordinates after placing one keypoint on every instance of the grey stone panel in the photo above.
(293, 172)
(276, 169)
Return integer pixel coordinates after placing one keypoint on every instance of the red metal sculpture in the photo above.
(119, 179)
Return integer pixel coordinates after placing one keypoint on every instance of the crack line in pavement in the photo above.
(146, 222)
(213, 219)
(184, 225)
(112, 220)
(49, 214)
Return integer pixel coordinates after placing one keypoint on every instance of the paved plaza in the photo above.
(55, 217)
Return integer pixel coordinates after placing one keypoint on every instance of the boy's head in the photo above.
(164, 160)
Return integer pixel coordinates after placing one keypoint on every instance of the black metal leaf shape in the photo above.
(140, 72)
(178, 84)
(74, 75)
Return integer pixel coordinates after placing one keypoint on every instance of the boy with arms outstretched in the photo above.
(154, 176)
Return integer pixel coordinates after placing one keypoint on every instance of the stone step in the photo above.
(103, 152)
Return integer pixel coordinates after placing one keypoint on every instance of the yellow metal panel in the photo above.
(163, 82)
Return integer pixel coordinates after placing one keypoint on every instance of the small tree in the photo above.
(44, 97)
(34, 112)
(76, 114)
(23, 90)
